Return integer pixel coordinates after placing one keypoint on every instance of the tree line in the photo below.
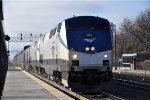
(134, 35)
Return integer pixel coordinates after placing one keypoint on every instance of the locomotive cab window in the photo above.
(59, 27)
(88, 26)
(98, 26)
(52, 33)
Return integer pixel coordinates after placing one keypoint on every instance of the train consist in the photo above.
(76, 53)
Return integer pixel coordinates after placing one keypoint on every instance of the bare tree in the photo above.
(142, 29)
(134, 36)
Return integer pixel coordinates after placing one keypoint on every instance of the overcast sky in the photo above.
(39, 16)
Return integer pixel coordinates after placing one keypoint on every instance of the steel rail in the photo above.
(131, 83)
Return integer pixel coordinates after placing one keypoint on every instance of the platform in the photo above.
(21, 85)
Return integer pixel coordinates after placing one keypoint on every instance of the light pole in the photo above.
(114, 31)
(115, 45)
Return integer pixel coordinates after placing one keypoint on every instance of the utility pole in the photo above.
(115, 47)
(113, 29)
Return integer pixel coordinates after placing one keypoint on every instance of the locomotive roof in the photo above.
(86, 18)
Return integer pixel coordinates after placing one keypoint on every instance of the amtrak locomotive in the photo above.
(76, 53)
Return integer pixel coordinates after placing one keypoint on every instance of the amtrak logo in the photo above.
(90, 40)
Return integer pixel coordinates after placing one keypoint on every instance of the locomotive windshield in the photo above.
(87, 23)
(87, 26)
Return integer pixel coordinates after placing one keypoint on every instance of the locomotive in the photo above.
(76, 53)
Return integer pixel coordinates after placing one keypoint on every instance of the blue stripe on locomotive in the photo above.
(101, 39)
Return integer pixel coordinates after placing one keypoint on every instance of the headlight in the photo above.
(105, 56)
(92, 48)
(75, 56)
(87, 48)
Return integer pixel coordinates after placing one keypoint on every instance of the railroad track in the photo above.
(131, 83)
(75, 95)
(102, 96)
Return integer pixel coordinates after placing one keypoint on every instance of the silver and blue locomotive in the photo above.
(76, 53)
